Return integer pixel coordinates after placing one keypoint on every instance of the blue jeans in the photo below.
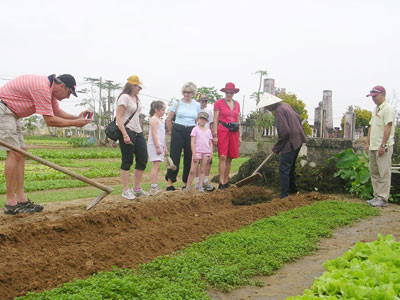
(286, 172)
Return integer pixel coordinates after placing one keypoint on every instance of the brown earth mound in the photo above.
(41, 251)
(319, 178)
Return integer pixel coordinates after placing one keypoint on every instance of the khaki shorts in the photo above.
(11, 128)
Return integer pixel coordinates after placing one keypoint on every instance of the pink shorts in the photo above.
(201, 155)
(228, 143)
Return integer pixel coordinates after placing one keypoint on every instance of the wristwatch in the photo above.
(384, 146)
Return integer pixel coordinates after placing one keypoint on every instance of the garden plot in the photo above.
(41, 251)
(300, 275)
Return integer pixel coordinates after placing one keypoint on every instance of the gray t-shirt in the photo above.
(130, 106)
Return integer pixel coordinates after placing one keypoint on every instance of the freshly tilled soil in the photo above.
(43, 250)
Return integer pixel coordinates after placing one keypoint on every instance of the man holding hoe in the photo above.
(290, 139)
(22, 97)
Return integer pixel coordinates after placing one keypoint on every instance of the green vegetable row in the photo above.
(367, 271)
(45, 185)
(77, 153)
(224, 261)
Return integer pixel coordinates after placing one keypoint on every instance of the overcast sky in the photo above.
(307, 46)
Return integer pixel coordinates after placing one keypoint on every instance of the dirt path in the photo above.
(295, 277)
(41, 251)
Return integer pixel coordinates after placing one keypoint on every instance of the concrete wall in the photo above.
(317, 150)
(320, 149)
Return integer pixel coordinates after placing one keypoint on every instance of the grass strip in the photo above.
(223, 261)
(366, 271)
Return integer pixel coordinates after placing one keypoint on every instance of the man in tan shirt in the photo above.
(380, 146)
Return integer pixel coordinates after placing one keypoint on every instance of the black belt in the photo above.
(224, 123)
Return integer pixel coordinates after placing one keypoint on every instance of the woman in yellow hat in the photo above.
(132, 142)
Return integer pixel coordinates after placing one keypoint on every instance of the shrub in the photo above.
(354, 170)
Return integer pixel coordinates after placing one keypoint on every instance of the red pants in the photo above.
(228, 143)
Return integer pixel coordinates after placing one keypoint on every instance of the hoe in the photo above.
(106, 190)
(255, 174)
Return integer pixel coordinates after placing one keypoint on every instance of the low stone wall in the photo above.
(317, 150)
(320, 149)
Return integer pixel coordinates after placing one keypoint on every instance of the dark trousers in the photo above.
(180, 139)
(286, 173)
(138, 148)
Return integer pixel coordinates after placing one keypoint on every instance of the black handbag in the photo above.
(233, 126)
(112, 130)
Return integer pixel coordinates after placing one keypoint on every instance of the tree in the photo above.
(211, 92)
(299, 107)
(256, 95)
(363, 117)
(30, 124)
(101, 105)
(262, 120)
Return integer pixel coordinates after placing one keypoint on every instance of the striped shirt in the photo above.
(29, 94)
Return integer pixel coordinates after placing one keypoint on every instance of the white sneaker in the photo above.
(140, 193)
(201, 189)
(128, 194)
(154, 190)
(208, 187)
(379, 203)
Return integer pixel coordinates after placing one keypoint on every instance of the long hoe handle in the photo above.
(263, 163)
(59, 168)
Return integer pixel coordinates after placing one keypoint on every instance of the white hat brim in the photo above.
(268, 99)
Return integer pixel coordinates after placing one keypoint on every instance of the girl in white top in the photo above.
(156, 147)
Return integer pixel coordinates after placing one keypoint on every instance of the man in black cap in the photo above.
(22, 97)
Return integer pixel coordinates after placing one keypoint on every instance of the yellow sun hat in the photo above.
(134, 79)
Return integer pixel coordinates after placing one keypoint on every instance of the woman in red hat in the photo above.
(227, 134)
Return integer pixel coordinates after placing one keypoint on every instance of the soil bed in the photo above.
(41, 251)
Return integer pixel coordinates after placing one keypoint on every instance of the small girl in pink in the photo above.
(201, 143)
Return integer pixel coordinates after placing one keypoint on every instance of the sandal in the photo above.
(12, 210)
(29, 206)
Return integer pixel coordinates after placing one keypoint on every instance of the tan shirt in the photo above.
(383, 115)
(130, 106)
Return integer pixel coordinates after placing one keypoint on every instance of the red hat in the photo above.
(230, 87)
(376, 90)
